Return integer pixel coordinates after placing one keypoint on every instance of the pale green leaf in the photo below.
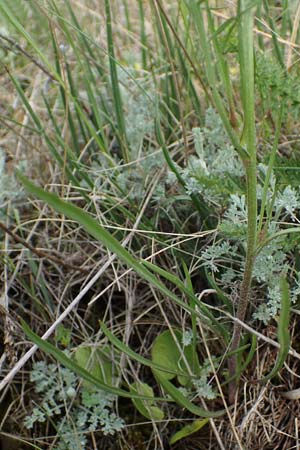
(145, 407)
(96, 362)
(168, 351)
(188, 430)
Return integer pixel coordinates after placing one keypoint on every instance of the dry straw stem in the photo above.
(288, 43)
(13, 46)
(239, 443)
(82, 293)
(293, 38)
(76, 300)
(292, 395)
(253, 409)
(41, 253)
(149, 258)
(246, 62)
(66, 312)
(261, 336)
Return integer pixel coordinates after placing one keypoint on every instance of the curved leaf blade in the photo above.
(80, 371)
(283, 329)
(93, 227)
(188, 430)
(181, 400)
(146, 407)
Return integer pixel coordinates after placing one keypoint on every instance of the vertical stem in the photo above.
(270, 170)
(223, 67)
(171, 57)
(246, 18)
(115, 85)
(196, 12)
(143, 35)
(277, 50)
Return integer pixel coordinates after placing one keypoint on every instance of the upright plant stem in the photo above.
(115, 85)
(197, 13)
(246, 17)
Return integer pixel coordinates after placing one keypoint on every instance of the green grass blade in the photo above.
(89, 82)
(223, 67)
(170, 89)
(70, 364)
(99, 233)
(143, 35)
(187, 430)
(196, 13)
(85, 42)
(10, 17)
(283, 329)
(294, 230)
(277, 49)
(115, 85)
(41, 131)
(132, 354)
(193, 304)
(251, 352)
(210, 319)
(270, 169)
(26, 104)
(212, 282)
(73, 169)
(180, 399)
(201, 208)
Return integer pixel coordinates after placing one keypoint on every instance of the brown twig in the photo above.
(41, 253)
(15, 47)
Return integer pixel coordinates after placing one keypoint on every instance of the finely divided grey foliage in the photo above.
(88, 410)
(216, 161)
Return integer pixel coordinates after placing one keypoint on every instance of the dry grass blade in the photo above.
(18, 366)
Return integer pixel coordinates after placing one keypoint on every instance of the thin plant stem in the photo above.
(269, 170)
(246, 18)
(115, 85)
(212, 80)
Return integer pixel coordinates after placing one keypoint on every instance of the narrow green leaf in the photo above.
(188, 430)
(11, 18)
(168, 351)
(97, 362)
(181, 400)
(211, 320)
(146, 362)
(98, 232)
(295, 229)
(270, 169)
(143, 35)
(115, 84)
(80, 371)
(195, 365)
(196, 14)
(251, 352)
(283, 329)
(145, 407)
(135, 356)
(172, 166)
